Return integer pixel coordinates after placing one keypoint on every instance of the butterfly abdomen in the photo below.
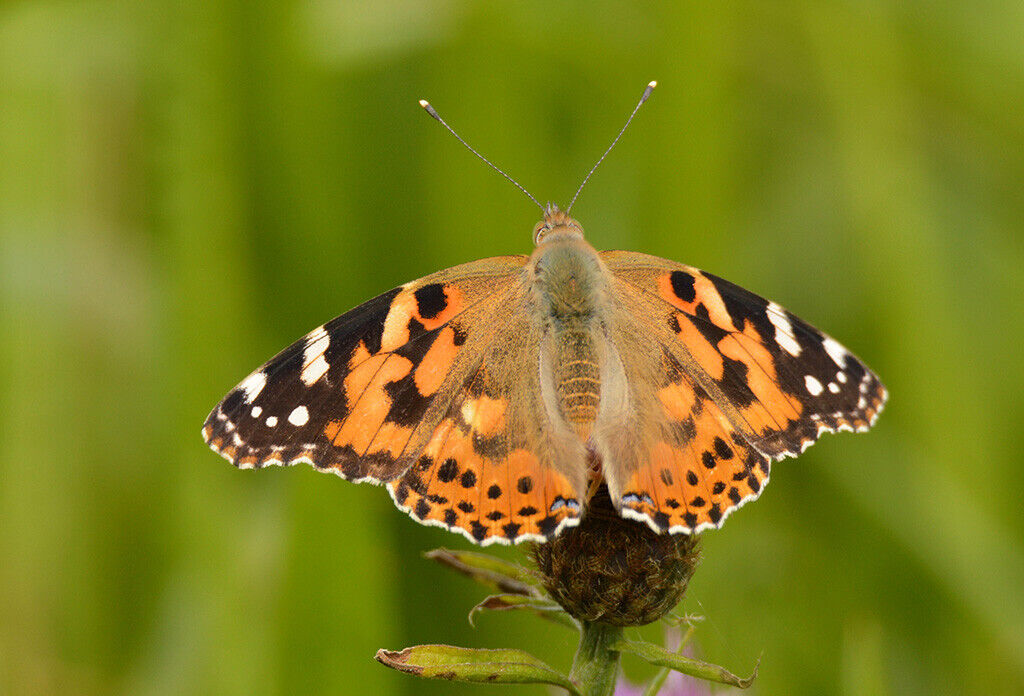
(577, 376)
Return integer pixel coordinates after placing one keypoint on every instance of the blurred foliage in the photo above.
(186, 187)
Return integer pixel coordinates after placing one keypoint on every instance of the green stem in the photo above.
(596, 666)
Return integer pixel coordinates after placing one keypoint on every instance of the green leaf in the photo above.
(545, 608)
(661, 657)
(474, 665)
(490, 571)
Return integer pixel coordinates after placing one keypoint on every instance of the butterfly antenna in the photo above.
(647, 92)
(437, 117)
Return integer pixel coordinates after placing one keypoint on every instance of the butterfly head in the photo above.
(556, 224)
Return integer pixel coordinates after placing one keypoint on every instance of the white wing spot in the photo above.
(313, 361)
(813, 385)
(271, 421)
(468, 411)
(841, 376)
(300, 416)
(253, 385)
(835, 351)
(833, 387)
(783, 329)
(256, 411)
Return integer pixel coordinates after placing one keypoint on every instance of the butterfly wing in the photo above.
(403, 389)
(734, 382)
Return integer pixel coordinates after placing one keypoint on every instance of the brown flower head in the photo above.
(616, 571)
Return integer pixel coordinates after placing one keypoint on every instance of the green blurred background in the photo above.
(187, 187)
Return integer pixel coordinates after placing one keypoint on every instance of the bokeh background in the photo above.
(186, 187)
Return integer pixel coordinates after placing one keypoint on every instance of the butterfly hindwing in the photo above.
(703, 468)
(742, 382)
(497, 467)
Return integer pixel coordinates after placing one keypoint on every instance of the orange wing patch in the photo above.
(703, 351)
(430, 306)
(437, 362)
(369, 405)
(770, 409)
(771, 404)
(700, 291)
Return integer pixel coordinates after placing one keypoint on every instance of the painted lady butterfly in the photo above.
(491, 398)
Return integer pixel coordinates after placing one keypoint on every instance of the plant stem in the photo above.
(596, 666)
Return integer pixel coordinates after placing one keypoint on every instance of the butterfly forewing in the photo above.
(346, 397)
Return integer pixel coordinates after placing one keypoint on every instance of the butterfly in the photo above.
(493, 398)
(490, 397)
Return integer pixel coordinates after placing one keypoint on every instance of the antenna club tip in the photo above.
(647, 91)
(430, 110)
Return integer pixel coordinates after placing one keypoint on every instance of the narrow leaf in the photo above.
(661, 657)
(474, 665)
(544, 608)
(490, 571)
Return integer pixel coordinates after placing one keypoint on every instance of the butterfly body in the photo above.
(491, 398)
(570, 290)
